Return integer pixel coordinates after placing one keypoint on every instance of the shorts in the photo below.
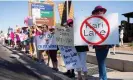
(26, 42)
(18, 42)
(53, 55)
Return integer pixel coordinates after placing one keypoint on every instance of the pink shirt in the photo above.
(12, 36)
(38, 33)
(17, 37)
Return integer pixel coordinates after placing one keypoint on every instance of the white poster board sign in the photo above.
(70, 56)
(96, 30)
(64, 36)
(46, 42)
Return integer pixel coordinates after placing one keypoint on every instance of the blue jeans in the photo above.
(101, 55)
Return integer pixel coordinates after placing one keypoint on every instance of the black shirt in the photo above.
(81, 48)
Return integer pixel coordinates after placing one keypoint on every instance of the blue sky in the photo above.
(13, 12)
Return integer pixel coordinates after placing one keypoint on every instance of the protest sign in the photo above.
(46, 42)
(96, 30)
(30, 22)
(64, 36)
(70, 56)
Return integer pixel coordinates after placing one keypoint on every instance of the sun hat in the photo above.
(97, 8)
(69, 21)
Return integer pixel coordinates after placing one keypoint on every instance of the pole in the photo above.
(67, 9)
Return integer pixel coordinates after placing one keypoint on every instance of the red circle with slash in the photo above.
(91, 27)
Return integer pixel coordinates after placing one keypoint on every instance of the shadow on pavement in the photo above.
(44, 71)
(16, 70)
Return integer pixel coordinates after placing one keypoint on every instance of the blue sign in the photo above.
(43, 7)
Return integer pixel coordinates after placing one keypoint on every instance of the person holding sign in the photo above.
(82, 52)
(69, 73)
(42, 31)
(12, 38)
(101, 50)
(53, 53)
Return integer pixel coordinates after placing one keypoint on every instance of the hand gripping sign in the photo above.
(97, 30)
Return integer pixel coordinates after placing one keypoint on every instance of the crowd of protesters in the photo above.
(24, 39)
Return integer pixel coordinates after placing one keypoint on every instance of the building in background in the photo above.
(128, 27)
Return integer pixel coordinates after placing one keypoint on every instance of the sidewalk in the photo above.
(118, 75)
(111, 50)
(122, 60)
(112, 74)
(48, 74)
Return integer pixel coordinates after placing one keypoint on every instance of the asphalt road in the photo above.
(11, 69)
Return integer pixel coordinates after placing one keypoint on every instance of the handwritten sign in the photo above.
(46, 42)
(96, 30)
(70, 56)
(64, 36)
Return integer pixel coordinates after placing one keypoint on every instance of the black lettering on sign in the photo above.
(39, 46)
(74, 64)
(52, 46)
(50, 36)
(92, 33)
(62, 49)
(58, 29)
(68, 30)
(98, 25)
(94, 25)
(102, 32)
(69, 40)
(65, 56)
(57, 38)
(44, 46)
(85, 33)
(42, 36)
(73, 61)
(73, 54)
(68, 50)
(68, 62)
(60, 33)
(65, 34)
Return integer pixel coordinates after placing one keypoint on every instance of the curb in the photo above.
(117, 64)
